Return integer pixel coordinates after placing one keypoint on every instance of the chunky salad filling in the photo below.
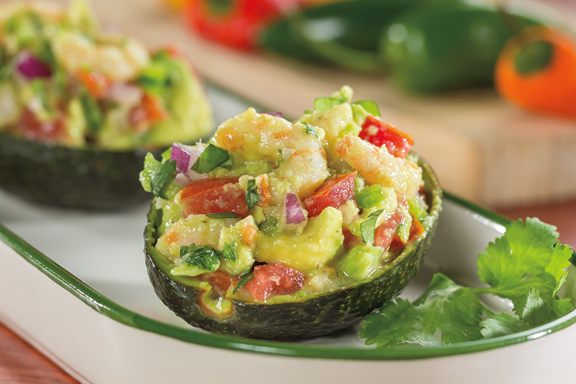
(65, 80)
(269, 208)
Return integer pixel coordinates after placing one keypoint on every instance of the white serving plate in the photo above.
(74, 285)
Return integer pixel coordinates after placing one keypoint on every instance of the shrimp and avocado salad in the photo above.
(271, 211)
(66, 81)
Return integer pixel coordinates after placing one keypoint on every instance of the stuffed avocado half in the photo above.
(83, 105)
(280, 230)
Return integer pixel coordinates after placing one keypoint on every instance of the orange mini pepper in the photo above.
(537, 70)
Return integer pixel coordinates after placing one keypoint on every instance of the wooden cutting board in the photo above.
(481, 148)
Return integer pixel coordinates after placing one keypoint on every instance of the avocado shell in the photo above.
(317, 315)
(80, 178)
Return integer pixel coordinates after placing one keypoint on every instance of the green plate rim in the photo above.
(114, 311)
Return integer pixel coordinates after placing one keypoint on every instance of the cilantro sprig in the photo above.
(526, 265)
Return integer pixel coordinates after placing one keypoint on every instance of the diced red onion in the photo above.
(277, 114)
(125, 93)
(186, 156)
(294, 212)
(287, 153)
(31, 67)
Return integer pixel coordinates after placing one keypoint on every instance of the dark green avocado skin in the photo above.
(329, 313)
(86, 179)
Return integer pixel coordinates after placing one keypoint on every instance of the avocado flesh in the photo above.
(298, 316)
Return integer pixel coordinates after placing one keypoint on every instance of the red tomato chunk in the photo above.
(333, 193)
(379, 133)
(214, 195)
(274, 279)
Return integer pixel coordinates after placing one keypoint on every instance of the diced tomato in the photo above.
(213, 195)
(32, 128)
(149, 112)
(333, 193)
(379, 133)
(386, 232)
(274, 279)
(220, 281)
(96, 83)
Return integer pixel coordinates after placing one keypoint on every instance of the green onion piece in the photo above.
(162, 177)
(369, 106)
(369, 196)
(311, 130)
(243, 281)
(417, 208)
(251, 196)
(203, 257)
(224, 215)
(92, 111)
(211, 158)
(368, 227)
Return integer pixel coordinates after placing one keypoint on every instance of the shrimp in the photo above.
(298, 156)
(119, 60)
(378, 166)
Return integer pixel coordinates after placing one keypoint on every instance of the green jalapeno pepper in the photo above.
(449, 45)
(345, 33)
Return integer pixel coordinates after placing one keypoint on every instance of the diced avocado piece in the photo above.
(240, 239)
(319, 243)
(218, 307)
(190, 115)
(11, 110)
(361, 261)
(417, 208)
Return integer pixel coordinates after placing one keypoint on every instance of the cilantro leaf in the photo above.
(369, 106)
(311, 130)
(521, 259)
(200, 256)
(163, 177)
(211, 158)
(368, 226)
(532, 309)
(243, 281)
(502, 324)
(230, 251)
(451, 309)
(322, 104)
(251, 196)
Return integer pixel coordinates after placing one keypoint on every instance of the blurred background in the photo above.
(487, 88)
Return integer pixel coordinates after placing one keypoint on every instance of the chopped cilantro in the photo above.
(526, 265)
(368, 227)
(243, 281)
(251, 196)
(311, 130)
(162, 177)
(322, 104)
(230, 251)
(201, 256)
(211, 158)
